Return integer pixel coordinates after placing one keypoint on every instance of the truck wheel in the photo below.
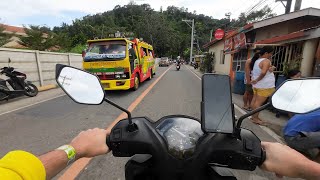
(151, 75)
(136, 82)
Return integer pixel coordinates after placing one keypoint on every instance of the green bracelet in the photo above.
(70, 151)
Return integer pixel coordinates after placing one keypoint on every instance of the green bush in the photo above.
(207, 65)
(78, 49)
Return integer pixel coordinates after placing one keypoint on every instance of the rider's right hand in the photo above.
(285, 161)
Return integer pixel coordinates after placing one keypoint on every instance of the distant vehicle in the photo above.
(164, 62)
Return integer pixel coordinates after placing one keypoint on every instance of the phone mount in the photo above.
(237, 128)
(9, 61)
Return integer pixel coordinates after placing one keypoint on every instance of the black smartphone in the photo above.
(217, 112)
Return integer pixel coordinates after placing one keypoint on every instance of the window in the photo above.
(106, 50)
(239, 60)
(285, 55)
(222, 57)
(143, 52)
(150, 53)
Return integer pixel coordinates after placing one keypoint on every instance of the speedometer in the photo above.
(181, 135)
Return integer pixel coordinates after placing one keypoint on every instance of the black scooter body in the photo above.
(17, 81)
(157, 162)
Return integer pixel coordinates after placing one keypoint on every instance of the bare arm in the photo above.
(248, 71)
(265, 65)
(88, 143)
(285, 161)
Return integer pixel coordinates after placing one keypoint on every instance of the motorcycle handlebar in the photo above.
(218, 149)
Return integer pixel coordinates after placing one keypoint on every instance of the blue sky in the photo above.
(54, 12)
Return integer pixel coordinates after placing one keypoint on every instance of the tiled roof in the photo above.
(13, 29)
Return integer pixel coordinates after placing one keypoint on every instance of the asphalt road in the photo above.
(46, 126)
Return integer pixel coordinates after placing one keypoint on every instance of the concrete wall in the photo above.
(38, 65)
(218, 67)
(308, 57)
(272, 31)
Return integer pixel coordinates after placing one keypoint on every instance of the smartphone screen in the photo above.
(216, 108)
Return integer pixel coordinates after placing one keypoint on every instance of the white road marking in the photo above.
(267, 130)
(193, 73)
(31, 104)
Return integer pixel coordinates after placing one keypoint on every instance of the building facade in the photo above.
(294, 36)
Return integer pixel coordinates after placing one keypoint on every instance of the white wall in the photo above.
(27, 62)
(218, 67)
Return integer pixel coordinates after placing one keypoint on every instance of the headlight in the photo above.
(117, 76)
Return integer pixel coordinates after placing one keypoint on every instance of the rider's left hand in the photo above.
(90, 143)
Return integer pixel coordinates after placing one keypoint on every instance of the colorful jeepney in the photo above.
(120, 63)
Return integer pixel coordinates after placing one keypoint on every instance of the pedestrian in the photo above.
(302, 133)
(263, 80)
(248, 95)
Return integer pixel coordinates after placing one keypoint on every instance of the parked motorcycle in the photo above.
(179, 146)
(17, 81)
(195, 65)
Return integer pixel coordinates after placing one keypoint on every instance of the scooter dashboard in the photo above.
(181, 135)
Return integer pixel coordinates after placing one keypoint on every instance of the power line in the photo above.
(237, 9)
(262, 2)
(253, 9)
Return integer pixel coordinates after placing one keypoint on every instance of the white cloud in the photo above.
(21, 9)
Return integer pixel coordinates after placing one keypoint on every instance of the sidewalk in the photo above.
(274, 124)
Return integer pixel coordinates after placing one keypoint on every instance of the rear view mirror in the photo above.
(298, 96)
(81, 86)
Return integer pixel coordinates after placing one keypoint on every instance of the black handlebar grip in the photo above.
(263, 156)
(108, 142)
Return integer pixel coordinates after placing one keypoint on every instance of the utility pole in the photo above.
(211, 31)
(192, 35)
(287, 6)
(297, 6)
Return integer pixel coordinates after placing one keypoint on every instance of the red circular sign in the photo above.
(218, 34)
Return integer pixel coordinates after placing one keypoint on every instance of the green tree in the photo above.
(37, 38)
(164, 30)
(254, 16)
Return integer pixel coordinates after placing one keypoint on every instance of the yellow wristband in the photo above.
(70, 151)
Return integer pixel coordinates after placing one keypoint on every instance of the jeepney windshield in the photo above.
(106, 50)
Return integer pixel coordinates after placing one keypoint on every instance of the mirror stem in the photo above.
(238, 127)
(131, 127)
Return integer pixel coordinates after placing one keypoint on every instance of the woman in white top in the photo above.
(263, 80)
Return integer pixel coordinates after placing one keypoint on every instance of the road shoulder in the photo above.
(24, 101)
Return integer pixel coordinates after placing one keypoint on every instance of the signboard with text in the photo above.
(219, 34)
(239, 41)
(228, 44)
